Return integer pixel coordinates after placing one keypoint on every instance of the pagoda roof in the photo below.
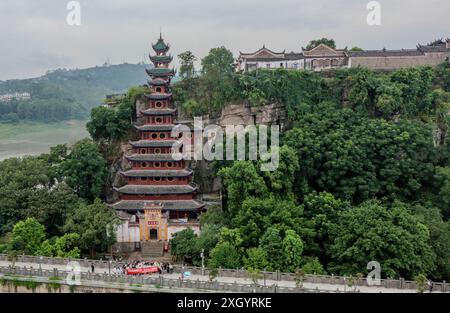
(160, 45)
(156, 189)
(150, 157)
(158, 82)
(158, 96)
(150, 127)
(161, 58)
(153, 143)
(160, 71)
(175, 205)
(157, 173)
(166, 111)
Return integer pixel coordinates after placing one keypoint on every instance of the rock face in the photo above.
(244, 114)
(233, 114)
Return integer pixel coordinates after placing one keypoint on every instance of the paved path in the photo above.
(323, 287)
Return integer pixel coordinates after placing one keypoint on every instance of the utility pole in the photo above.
(202, 254)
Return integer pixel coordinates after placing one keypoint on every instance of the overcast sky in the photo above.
(35, 36)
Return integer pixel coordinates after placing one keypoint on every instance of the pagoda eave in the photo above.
(176, 205)
(165, 157)
(167, 127)
(158, 111)
(157, 173)
(153, 143)
(158, 96)
(156, 189)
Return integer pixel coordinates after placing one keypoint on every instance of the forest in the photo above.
(67, 94)
(364, 176)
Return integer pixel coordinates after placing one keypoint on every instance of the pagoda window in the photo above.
(157, 178)
(154, 136)
(157, 164)
(170, 178)
(169, 164)
(158, 89)
(144, 164)
(158, 104)
(159, 120)
(162, 135)
(144, 178)
(143, 151)
(157, 151)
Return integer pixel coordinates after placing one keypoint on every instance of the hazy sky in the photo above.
(35, 36)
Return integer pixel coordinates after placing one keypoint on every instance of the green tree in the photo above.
(27, 237)
(187, 69)
(439, 238)
(292, 248)
(224, 255)
(256, 258)
(183, 244)
(272, 244)
(314, 43)
(394, 237)
(241, 180)
(219, 61)
(95, 224)
(85, 169)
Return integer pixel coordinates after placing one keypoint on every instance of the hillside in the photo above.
(66, 94)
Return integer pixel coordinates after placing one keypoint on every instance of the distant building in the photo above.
(114, 99)
(323, 57)
(15, 96)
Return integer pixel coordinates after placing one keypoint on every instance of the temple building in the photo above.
(159, 198)
(323, 57)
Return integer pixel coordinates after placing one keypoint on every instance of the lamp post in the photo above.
(202, 254)
(109, 267)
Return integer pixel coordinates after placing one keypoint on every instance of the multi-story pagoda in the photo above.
(158, 198)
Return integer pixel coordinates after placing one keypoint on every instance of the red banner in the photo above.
(144, 270)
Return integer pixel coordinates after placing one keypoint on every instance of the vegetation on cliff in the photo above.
(363, 174)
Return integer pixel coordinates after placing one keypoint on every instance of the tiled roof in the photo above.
(148, 127)
(160, 46)
(157, 173)
(160, 71)
(156, 189)
(168, 111)
(158, 96)
(158, 82)
(150, 157)
(161, 58)
(134, 205)
(153, 143)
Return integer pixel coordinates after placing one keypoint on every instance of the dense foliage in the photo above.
(67, 94)
(364, 174)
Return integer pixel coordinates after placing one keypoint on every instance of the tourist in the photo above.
(92, 268)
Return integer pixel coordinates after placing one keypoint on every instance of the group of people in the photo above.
(121, 269)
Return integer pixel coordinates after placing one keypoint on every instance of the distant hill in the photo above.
(66, 94)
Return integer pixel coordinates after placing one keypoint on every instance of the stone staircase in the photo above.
(152, 249)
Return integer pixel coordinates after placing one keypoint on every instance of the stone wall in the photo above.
(398, 62)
